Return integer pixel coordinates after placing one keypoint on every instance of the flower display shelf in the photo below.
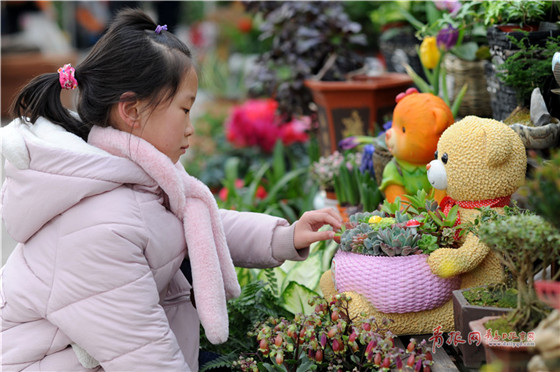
(548, 292)
(353, 107)
(400, 284)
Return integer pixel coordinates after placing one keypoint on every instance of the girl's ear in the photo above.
(128, 109)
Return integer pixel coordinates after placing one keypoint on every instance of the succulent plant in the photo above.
(352, 240)
(398, 241)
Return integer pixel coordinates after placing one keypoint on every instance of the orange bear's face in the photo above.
(419, 119)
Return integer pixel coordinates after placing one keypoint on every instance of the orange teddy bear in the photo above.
(419, 119)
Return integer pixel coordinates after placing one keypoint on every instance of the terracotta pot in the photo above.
(353, 107)
(463, 313)
(512, 358)
(548, 292)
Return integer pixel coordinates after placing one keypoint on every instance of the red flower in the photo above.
(224, 192)
(245, 25)
(255, 123)
(261, 192)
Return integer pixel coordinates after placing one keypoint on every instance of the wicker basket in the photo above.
(477, 98)
(381, 157)
(400, 284)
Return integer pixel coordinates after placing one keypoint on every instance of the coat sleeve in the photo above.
(258, 240)
(104, 298)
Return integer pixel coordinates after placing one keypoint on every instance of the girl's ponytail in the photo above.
(41, 97)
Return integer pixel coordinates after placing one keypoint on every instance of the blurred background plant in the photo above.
(529, 66)
(309, 39)
(324, 170)
(544, 189)
(458, 27)
(519, 12)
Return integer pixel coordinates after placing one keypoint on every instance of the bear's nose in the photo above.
(428, 166)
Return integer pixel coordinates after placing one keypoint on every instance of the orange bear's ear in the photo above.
(442, 119)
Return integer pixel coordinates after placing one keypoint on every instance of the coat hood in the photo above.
(48, 170)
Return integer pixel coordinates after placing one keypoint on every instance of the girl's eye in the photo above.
(186, 111)
(403, 129)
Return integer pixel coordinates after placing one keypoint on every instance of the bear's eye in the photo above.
(444, 158)
(435, 155)
(403, 129)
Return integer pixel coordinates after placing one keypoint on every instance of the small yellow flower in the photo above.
(374, 219)
(429, 52)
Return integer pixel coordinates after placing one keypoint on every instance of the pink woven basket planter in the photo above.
(400, 284)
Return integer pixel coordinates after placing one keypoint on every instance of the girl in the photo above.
(104, 225)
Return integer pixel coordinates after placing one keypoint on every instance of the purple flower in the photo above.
(367, 160)
(452, 6)
(388, 125)
(447, 37)
(348, 143)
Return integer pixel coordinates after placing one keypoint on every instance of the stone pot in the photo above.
(464, 313)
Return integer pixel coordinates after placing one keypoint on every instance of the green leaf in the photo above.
(466, 51)
(458, 99)
(306, 365)
(279, 165)
(279, 278)
(249, 196)
(296, 298)
(306, 273)
(418, 81)
(283, 182)
(232, 170)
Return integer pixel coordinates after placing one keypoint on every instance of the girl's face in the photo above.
(168, 126)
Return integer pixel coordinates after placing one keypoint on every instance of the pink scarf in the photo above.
(214, 277)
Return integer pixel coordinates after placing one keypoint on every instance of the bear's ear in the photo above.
(441, 120)
(498, 151)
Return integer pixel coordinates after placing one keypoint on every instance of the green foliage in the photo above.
(521, 12)
(303, 36)
(526, 244)
(354, 187)
(544, 189)
(257, 302)
(289, 190)
(496, 295)
(529, 67)
(328, 339)
(295, 282)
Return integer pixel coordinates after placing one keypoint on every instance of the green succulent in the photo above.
(352, 240)
(398, 241)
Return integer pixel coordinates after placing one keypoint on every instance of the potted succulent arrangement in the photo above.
(314, 49)
(396, 238)
(330, 340)
(526, 245)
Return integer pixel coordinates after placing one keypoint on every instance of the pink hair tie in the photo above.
(66, 77)
(160, 28)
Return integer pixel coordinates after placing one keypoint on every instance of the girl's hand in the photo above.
(305, 231)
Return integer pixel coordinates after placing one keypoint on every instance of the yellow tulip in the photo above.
(429, 52)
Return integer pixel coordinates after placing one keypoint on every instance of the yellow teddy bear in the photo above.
(479, 162)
